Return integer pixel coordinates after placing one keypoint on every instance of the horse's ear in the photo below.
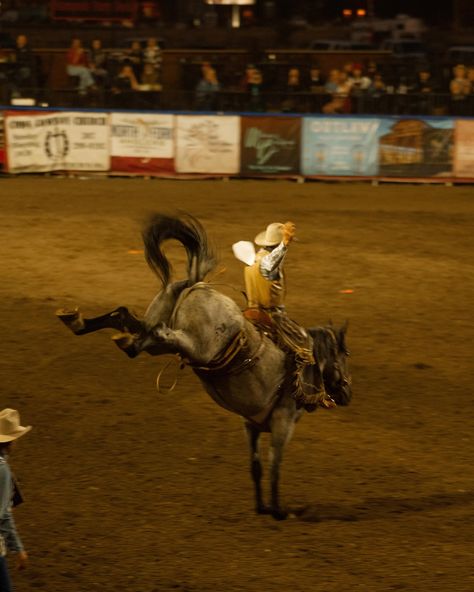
(345, 327)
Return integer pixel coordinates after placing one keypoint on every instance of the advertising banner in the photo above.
(416, 147)
(340, 146)
(70, 141)
(207, 144)
(2, 142)
(142, 142)
(464, 149)
(270, 145)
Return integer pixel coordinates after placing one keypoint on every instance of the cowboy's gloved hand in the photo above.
(289, 230)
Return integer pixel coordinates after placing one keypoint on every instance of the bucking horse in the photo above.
(239, 366)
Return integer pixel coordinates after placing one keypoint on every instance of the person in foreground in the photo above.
(10, 430)
(265, 290)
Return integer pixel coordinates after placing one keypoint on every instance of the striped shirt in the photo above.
(8, 534)
(270, 265)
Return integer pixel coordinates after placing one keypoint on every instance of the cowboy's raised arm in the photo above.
(271, 262)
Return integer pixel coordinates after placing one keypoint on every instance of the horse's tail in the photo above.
(190, 233)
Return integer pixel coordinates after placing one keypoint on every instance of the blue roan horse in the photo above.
(239, 366)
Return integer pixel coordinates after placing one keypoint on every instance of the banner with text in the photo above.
(270, 145)
(207, 144)
(69, 141)
(464, 149)
(416, 147)
(142, 143)
(339, 146)
(2, 141)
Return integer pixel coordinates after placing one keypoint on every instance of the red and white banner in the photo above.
(208, 144)
(69, 141)
(142, 143)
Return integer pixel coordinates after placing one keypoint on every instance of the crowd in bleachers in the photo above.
(117, 77)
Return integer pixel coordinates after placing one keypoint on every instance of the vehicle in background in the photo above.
(405, 48)
(460, 54)
(339, 45)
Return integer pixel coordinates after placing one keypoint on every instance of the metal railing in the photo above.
(237, 101)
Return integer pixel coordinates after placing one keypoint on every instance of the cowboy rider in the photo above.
(265, 289)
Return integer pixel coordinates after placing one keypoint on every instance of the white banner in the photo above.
(142, 135)
(208, 144)
(59, 141)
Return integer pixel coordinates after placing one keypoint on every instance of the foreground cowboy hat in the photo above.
(10, 428)
(272, 236)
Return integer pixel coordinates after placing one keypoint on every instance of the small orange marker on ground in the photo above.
(135, 251)
(346, 291)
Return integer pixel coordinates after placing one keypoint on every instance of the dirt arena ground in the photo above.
(130, 490)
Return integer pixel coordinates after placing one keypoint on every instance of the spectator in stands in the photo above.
(124, 87)
(98, 63)
(149, 80)
(134, 56)
(78, 65)
(359, 84)
(206, 90)
(252, 83)
(152, 54)
(338, 87)
(293, 85)
(25, 74)
(460, 88)
(377, 87)
(316, 80)
(470, 78)
(424, 88)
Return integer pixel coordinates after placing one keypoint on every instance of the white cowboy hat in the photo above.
(272, 236)
(10, 428)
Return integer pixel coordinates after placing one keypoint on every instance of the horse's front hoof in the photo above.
(71, 318)
(126, 342)
(279, 514)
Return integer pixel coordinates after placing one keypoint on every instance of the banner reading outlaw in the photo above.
(69, 141)
(208, 144)
(339, 146)
(142, 143)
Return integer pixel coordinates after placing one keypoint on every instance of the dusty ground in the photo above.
(130, 490)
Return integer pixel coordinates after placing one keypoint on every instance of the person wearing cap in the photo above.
(10, 430)
(265, 290)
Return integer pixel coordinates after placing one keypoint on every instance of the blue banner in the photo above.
(340, 146)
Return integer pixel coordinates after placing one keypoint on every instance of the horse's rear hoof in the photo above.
(71, 318)
(126, 342)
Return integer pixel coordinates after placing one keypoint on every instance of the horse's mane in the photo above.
(190, 233)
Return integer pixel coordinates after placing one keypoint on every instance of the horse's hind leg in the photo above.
(253, 434)
(282, 425)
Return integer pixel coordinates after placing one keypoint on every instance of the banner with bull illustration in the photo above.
(69, 141)
(142, 143)
(207, 144)
(340, 146)
(270, 145)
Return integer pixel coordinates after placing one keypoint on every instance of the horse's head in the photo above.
(332, 356)
(336, 374)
